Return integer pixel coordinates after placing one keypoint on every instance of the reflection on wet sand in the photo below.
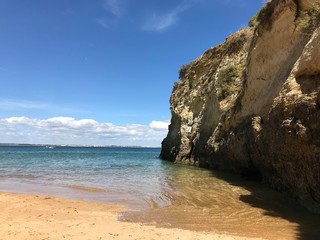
(208, 201)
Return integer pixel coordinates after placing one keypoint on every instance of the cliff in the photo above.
(252, 104)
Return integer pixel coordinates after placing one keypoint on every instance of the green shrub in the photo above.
(253, 22)
(264, 15)
(183, 69)
(225, 82)
(260, 16)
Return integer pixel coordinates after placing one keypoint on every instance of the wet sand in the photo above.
(33, 217)
(220, 203)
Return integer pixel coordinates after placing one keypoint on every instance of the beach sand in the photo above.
(33, 217)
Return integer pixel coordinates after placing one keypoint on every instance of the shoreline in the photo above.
(32, 216)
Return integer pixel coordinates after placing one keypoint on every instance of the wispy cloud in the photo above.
(117, 10)
(67, 130)
(7, 70)
(103, 22)
(156, 21)
(20, 104)
(161, 22)
(114, 7)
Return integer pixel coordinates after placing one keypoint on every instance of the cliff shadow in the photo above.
(276, 204)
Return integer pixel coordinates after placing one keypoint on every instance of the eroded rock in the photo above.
(252, 104)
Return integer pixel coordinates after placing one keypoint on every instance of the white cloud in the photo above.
(156, 22)
(114, 7)
(164, 21)
(159, 125)
(160, 23)
(67, 130)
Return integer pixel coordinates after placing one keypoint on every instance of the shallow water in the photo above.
(203, 200)
(157, 192)
(127, 176)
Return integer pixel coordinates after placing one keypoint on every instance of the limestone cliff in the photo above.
(252, 104)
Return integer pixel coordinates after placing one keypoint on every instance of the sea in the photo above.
(154, 191)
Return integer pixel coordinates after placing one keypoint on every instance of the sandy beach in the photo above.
(33, 217)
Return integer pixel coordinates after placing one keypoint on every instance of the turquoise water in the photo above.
(128, 176)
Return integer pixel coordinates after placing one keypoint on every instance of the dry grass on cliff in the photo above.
(236, 41)
(309, 19)
(264, 15)
(183, 69)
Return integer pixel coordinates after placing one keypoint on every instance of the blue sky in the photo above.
(101, 72)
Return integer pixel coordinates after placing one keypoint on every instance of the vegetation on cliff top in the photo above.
(235, 42)
(309, 19)
(253, 22)
(307, 22)
(261, 15)
(183, 69)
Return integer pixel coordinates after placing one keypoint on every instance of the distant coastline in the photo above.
(68, 145)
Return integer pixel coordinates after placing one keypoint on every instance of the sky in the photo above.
(100, 72)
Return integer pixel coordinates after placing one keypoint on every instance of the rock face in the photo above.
(252, 104)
